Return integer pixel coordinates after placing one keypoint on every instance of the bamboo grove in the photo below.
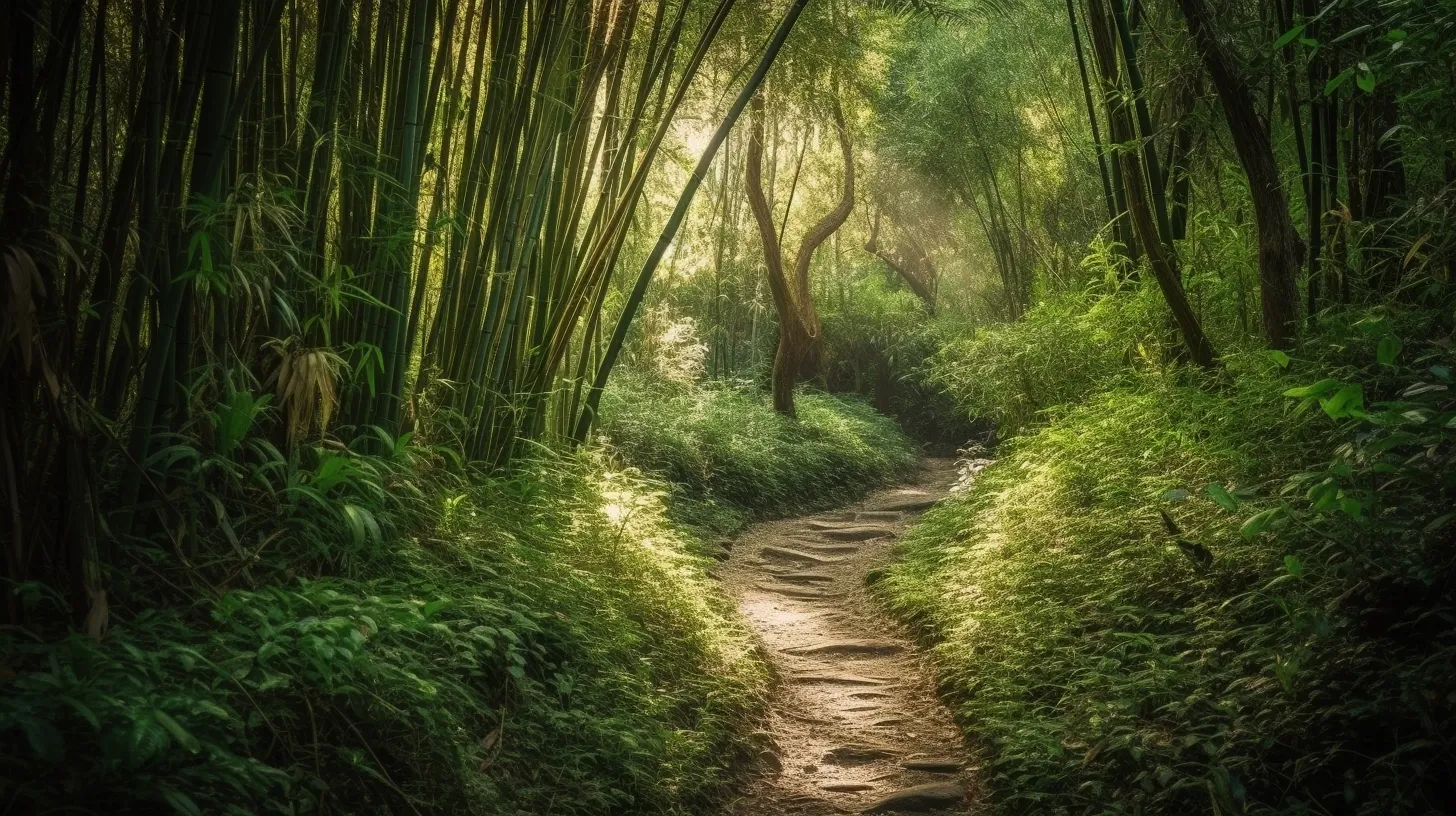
(1350, 169)
(370, 213)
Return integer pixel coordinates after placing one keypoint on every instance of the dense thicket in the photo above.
(385, 217)
(1174, 591)
(308, 312)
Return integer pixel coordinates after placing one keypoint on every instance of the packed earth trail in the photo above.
(855, 725)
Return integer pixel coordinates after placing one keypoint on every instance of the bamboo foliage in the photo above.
(371, 208)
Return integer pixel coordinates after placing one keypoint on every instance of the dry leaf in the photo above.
(488, 742)
(98, 618)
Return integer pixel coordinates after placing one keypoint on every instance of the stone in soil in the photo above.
(933, 764)
(815, 524)
(845, 647)
(818, 546)
(859, 752)
(786, 554)
(840, 679)
(847, 787)
(908, 505)
(858, 533)
(804, 577)
(803, 593)
(919, 799)
(879, 515)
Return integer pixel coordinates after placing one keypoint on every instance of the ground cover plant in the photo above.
(722, 449)
(378, 379)
(525, 636)
(401, 635)
(1231, 596)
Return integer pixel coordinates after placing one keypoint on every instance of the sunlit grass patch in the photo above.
(547, 645)
(725, 444)
(1271, 647)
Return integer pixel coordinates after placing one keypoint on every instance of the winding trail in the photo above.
(855, 725)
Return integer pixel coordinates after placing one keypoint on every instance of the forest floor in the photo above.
(855, 723)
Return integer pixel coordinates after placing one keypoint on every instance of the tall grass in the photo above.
(1282, 643)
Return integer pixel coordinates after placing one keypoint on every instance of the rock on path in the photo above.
(855, 725)
(919, 799)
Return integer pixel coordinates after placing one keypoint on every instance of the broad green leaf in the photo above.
(1222, 497)
(1354, 32)
(1289, 36)
(1438, 522)
(1348, 401)
(1293, 565)
(1388, 349)
(1337, 80)
(182, 735)
(1318, 389)
(1280, 358)
(44, 739)
(180, 802)
(1258, 522)
(1366, 81)
(1417, 389)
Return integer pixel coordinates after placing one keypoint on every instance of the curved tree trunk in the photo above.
(792, 334)
(810, 361)
(797, 354)
(913, 266)
(1278, 242)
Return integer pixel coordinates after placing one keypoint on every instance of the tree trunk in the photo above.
(817, 235)
(1278, 242)
(1113, 214)
(1200, 350)
(792, 333)
(911, 262)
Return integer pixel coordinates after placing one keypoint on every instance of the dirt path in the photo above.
(855, 723)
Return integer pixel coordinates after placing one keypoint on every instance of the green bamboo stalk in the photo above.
(1156, 182)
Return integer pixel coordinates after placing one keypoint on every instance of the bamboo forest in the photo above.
(728, 407)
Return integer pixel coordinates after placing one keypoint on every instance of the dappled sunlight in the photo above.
(462, 406)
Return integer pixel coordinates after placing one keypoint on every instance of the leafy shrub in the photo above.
(546, 644)
(1282, 642)
(1063, 349)
(724, 444)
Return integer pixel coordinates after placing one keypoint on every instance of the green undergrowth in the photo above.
(545, 644)
(731, 458)
(1283, 642)
(367, 629)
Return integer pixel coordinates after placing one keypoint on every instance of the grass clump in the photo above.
(731, 457)
(1282, 643)
(546, 644)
